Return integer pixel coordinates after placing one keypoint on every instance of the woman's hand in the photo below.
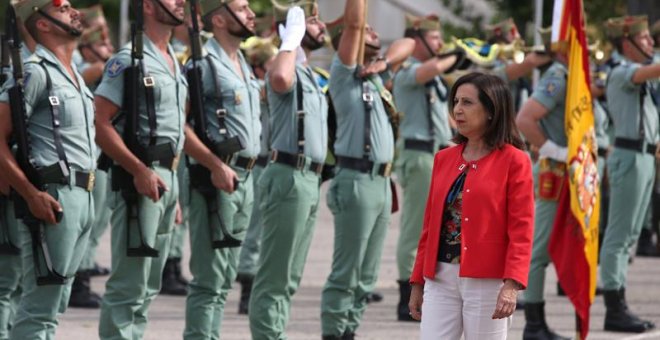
(416, 299)
(506, 300)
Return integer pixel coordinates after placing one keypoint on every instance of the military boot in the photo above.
(645, 246)
(246, 289)
(617, 316)
(535, 326)
(402, 310)
(170, 285)
(81, 292)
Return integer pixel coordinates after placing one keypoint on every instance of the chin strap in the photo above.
(72, 31)
(648, 57)
(246, 31)
(171, 15)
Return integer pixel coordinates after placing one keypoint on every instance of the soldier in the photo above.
(421, 94)
(232, 109)
(61, 137)
(144, 179)
(360, 195)
(260, 53)
(541, 120)
(299, 137)
(633, 107)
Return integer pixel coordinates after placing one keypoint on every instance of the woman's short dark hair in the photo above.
(495, 96)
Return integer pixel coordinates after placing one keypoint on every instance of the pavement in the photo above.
(167, 313)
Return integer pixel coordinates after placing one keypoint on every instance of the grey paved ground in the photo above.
(167, 313)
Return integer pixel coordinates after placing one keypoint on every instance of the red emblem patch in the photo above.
(57, 3)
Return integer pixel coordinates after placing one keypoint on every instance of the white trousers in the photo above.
(454, 306)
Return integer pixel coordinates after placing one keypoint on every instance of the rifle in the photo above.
(37, 176)
(4, 58)
(122, 180)
(200, 176)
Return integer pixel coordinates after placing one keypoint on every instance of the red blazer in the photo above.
(497, 216)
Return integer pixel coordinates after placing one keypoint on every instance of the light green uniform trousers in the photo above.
(135, 281)
(36, 316)
(102, 214)
(414, 169)
(249, 256)
(544, 218)
(361, 204)
(289, 207)
(631, 176)
(214, 270)
(10, 270)
(180, 230)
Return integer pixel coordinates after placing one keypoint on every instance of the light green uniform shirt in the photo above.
(346, 92)
(170, 93)
(623, 98)
(411, 99)
(284, 120)
(76, 112)
(551, 93)
(240, 97)
(602, 123)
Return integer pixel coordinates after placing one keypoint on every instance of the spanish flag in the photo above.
(574, 241)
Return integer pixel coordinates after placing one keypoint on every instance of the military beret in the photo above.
(92, 36)
(501, 29)
(25, 8)
(310, 7)
(427, 23)
(259, 50)
(626, 26)
(91, 13)
(208, 6)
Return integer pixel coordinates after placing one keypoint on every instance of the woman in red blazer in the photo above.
(474, 251)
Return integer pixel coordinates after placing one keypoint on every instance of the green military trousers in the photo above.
(544, 218)
(249, 256)
(631, 176)
(414, 169)
(10, 268)
(361, 204)
(214, 270)
(102, 214)
(36, 315)
(135, 281)
(289, 208)
(179, 232)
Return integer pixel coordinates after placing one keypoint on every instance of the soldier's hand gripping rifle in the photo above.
(37, 176)
(200, 176)
(134, 82)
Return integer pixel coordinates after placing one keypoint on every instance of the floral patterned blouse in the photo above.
(450, 233)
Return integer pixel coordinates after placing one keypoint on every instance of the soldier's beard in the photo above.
(311, 43)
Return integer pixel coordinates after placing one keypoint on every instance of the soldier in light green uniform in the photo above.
(230, 85)
(291, 183)
(360, 195)
(631, 165)
(67, 146)
(260, 53)
(421, 95)
(135, 280)
(541, 120)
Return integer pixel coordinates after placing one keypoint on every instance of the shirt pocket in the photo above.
(71, 108)
(164, 93)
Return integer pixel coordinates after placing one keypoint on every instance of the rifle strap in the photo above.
(150, 101)
(368, 101)
(433, 86)
(220, 112)
(300, 117)
(54, 103)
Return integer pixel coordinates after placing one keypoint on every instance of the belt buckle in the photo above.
(91, 179)
(300, 161)
(388, 170)
(251, 163)
(175, 162)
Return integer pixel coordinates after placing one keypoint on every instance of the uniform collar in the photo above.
(47, 55)
(216, 51)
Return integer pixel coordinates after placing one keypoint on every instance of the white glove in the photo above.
(294, 32)
(553, 151)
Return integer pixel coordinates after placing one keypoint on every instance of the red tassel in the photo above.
(57, 3)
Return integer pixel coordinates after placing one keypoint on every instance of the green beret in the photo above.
(26, 8)
(92, 13)
(501, 29)
(310, 7)
(92, 36)
(626, 26)
(427, 23)
(208, 6)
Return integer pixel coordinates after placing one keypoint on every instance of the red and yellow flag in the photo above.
(574, 241)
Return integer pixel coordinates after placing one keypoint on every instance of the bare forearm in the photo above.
(645, 73)
(198, 151)
(113, 145)
(354, 21)
(531, 130)
(399, 51)
(515, 70)
(433, 68)
(14, 174)
(283, 71)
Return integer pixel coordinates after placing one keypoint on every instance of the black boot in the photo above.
(348, 336)
(98, 270)
(617, 316)
(331, 337)
(374, 297)
(177, 271)
(402, 310)
(535, 326)
(81, 292)
(645, 246)
(246, 289)
(170, 285)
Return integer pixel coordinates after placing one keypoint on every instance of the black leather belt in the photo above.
(162, 155)
(635, 145)
(418, 145)
(364, 166)
(246, 163)
(602, 152)
(84, 180)
(296, 162)
(262, 161)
